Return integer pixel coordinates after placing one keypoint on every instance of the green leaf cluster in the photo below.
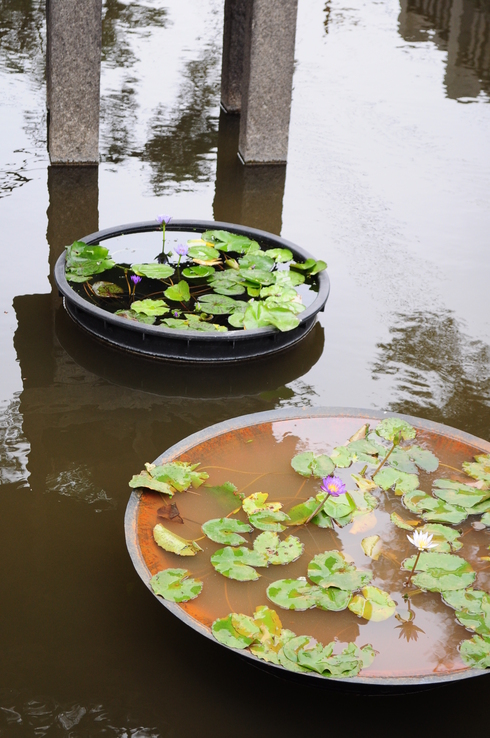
(239, 562)
(83, 261)
(472, 608)
(476, 652)
(440, 572)
(167, 478)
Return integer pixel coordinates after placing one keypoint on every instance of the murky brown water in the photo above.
(387, 180)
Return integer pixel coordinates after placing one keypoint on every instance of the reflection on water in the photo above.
(460, 27)
(22, 35)
(437, 371)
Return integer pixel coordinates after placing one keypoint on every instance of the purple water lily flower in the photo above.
(176, 313)
(181, 250)
(334, 486)
(135, 279)
(164, 219)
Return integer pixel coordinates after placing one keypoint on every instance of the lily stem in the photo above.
(409, 580)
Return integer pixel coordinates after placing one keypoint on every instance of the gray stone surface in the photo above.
(268, 65)
(74, 38)
(233, 48)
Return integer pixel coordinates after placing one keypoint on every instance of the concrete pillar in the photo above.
(233, 49)
(268, 64)
(74, 39)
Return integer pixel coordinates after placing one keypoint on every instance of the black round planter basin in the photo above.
(254, 452)
(189, 346)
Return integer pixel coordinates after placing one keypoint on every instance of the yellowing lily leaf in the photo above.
(373, 604)
(372, 547)
(173, 543)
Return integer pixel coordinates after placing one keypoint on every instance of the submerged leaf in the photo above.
(373, 604)
(169, 511)
(176, 585)
(173, 543)
(106, 289)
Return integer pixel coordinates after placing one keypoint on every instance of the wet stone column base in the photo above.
(74, 39)
(233, 47)
(268, 64)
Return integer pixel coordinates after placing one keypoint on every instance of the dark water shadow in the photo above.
(438, 372)
(460, 27)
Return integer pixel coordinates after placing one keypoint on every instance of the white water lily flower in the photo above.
(423, 541)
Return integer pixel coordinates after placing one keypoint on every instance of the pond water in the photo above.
(387, 181)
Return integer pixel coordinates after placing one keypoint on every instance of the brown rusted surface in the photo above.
(256, 467)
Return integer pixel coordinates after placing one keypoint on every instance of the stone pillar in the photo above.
(233, 48)
(268, 64)
(74, 40)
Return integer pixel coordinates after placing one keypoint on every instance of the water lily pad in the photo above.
(289, 659)
(341, 457)
(292, 594)
(217, 304)
(269, 545)
(179, 474)
(257, 260)
(401, 461)
(270, 520)
(146, 480)
(460, 494)
(153, 271)
(83, 261)
(485, 519)
(299, 514)
(197, 272)
(333, 598)
(476, 652)
(425, 459)
(340, 507)
(401, 523)
(472, 609)
(445, 537)
(388, 478)
(391, 428)
(257, 502)
(257, 277)
(479, 469)
(309, 464)
(245, 626)
(226, 242)
(281, 256)
(178, 292)
(331, 569)
(107, 289)
(373, 604)
(440, 572)
(173, 543)
(225, 633)
(176, 585)
(228, 287)
(137, 317)
(372, 546)
(150, 307)
(238, 563)
(433, 510)
(203, 253)
(226, 530)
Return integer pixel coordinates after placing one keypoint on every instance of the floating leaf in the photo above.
(203, 253)
(440, 572)
(226, 530)
(333, 598)
(400, 523)
(472, 608)
(341, 457)
(363, 500)
(476, 652)
(178, 292)
(83, 261)
(217, 304)
(365, 485)
(179, 474)
(226, 241)
(424, 458)
(197, 272)
(373, 604)
(137, 317)
(257, 277)
(169, 511)
(391, 428)
(299, 514)
(485, 519)
(308, 464)
(258, 502)
(150, 307)
(225, 633)
(460, 494)
(176, 585)
(106, 289)
(228, 287)
(153, 271)
(387, 478)
(146, 480)
(270, 546)
(339, 507)
(282, 256)
(269, 520)
(173, 543)
(331, 569)
(292, 594)
(257, 260)
(445, 537)
(238, 563)
(400, 460)
(228, 492)
(479, 469)
(372, 547)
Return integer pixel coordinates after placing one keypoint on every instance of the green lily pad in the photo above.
(292, 594)
(137, 317)
(226, 241)
(217, 304)
(400, 523)
(289, 278)
(283, 302)
(373, 604)
(289, 658)
(341, 457)
(424, 458)
(226, 530)
(173, 543)
(433, 510)
(309, 464)
(485, 519)
(257, 260)
(178, 292)
(281, 256)
(479, 469)
(179, 474)
(150, 307)
(227, 287)
(445, 537)
(401, 461)
(472, 609)
(333, 598)
(387, 478)
(146, 480)
(299, 514)
(238, 563)
(107, 289)
(331, 569)
(176, 585)
(83, 261)
(203, 253)
(257, 502)
(476, 652)
(269, 545)
(225, 633)
(459, 494)
(391, 428)
(257, 277)
(197, 272)
(269, 520)
(339, 507)
(440, 572)
(153, 271)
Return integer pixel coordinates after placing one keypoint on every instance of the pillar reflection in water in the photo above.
(248, 195)
(460, 27)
